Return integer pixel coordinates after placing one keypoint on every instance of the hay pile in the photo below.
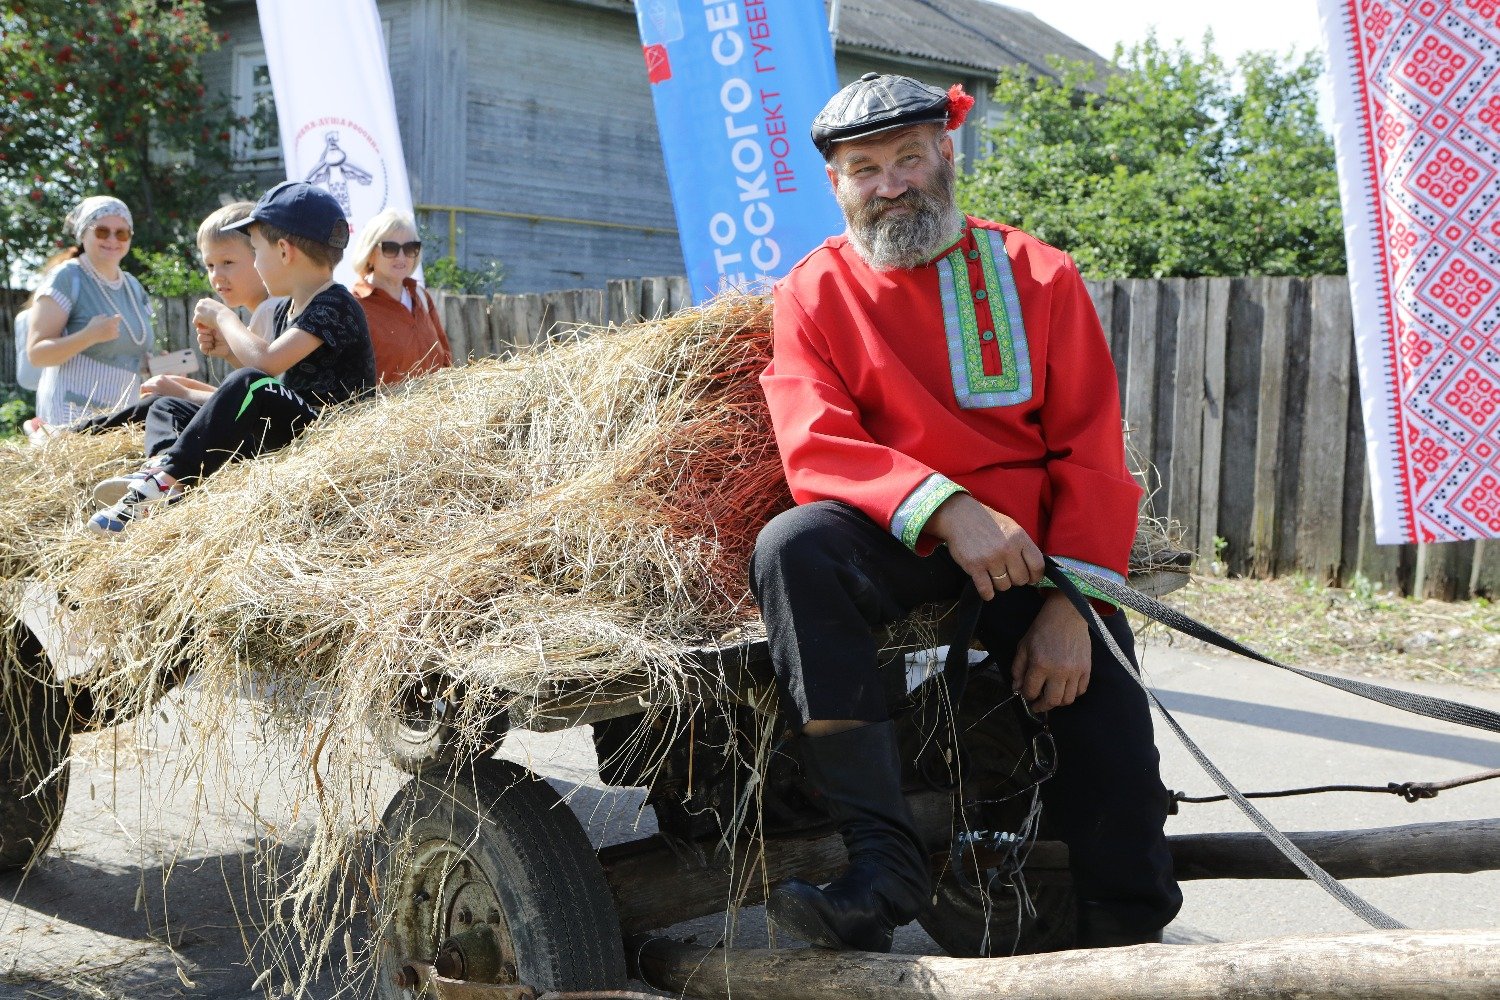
(573, 515)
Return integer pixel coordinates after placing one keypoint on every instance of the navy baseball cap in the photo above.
(301, 209)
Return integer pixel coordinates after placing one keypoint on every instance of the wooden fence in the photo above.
(1241, 406)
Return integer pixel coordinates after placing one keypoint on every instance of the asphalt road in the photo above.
(153, 875)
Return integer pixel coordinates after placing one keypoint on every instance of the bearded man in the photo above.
(946, 410)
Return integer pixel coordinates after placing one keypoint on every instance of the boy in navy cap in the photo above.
(321, 353)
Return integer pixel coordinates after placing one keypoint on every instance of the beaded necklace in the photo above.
(135, 306)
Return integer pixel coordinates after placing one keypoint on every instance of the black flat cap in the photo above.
(877, 103)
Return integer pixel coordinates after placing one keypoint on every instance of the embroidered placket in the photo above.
(975, 384)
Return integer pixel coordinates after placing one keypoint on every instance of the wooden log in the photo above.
(1319, 527)
(656, 886)
(1465, 847)
(1409, 965)
(1215, 334)
(1269, 422)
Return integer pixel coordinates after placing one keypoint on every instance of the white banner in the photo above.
(335, 105)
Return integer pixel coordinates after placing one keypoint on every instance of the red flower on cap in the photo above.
(959, 106)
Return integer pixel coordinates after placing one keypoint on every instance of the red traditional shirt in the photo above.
(984, 371)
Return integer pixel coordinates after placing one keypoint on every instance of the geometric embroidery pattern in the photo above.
(1417, 92)
(972, 387)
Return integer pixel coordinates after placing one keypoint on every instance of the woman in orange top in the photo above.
(404, 324)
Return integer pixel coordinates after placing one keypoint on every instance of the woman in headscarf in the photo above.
(90, 323)
(405, 329)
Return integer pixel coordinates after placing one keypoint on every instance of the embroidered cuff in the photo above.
(1074, 567)
(911, 517)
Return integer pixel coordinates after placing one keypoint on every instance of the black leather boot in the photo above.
(1099, 927)
(887, 882)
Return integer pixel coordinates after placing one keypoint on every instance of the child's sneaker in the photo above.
(113, 489)
(143, 497)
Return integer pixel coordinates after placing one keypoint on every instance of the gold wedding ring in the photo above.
(1003, 574)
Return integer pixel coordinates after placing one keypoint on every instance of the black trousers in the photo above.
(826, 576)
(248, 414)
(133, 414)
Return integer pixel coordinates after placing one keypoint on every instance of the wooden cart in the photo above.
(488, 886)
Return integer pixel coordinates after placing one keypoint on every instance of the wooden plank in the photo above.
(453, 322)
(1318, 526)
(1380, 564)
(679, 294)
(1443, 570)
(502, 326)
(1103, 295)
(1241, 405)
(1140, 380)
(1355, 476)
(654, 298)
(1379, 965)
(1484, 578)
(1189, 400)
(477, 326)
(1168, 305)
(1269, 422)
(1294, 394)
(1215, 332)
(623, 301)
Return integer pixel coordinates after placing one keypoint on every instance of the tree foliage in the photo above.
(1183, 167)
(107, 97)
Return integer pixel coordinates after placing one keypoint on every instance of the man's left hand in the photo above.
(1052, 663)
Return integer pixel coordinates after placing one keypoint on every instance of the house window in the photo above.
(258, 139)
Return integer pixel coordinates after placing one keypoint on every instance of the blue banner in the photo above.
(736, 85)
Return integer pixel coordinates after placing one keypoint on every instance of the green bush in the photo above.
(16, 404)
(449, 275)
(169, 274)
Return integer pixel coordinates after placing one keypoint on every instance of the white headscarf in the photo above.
(92, 209)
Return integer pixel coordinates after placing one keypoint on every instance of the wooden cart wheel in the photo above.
(420, 730)
(491, 878)
(34, 737)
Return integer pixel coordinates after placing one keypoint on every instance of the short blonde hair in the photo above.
(212, 229)
(377, 229)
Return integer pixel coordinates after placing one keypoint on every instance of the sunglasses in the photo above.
(390, 248)
(104, 233)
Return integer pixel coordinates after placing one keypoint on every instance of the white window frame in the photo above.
(247, 59)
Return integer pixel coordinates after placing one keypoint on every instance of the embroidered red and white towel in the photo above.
(1417, 130)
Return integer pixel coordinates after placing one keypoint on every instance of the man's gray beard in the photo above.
(890, 242)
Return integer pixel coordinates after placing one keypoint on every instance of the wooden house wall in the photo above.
(559, 122)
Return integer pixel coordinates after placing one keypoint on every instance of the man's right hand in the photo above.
(991, 547)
